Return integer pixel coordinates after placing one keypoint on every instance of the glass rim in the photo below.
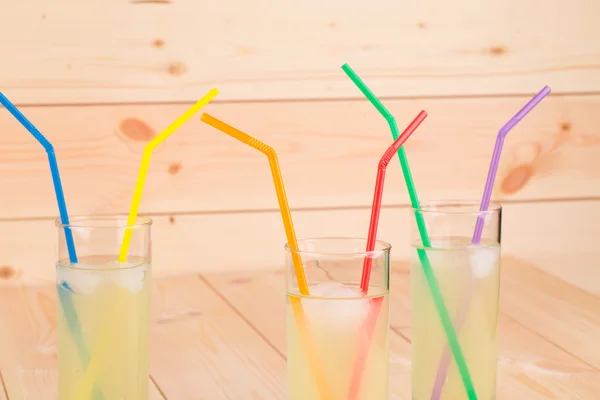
(84, 222)
(456, 207)
(385, 247)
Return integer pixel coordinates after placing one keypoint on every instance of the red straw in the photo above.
(375, 210)
(371, 321)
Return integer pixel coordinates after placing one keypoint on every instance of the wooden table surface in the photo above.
(223, 337)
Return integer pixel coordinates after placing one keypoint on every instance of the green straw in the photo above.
(427, 270)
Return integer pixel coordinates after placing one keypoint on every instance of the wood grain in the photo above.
(28, 344)
(221, 336)
(568, 314)
(540, 233)
(531, 365)
(133, 51)
(328, 153)
(203, 350)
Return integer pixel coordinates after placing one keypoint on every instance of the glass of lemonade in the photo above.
(338, 337)
(468, 275)
(104, 310)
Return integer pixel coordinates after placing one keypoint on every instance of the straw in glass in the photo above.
(102, 349)
(378, 194)
(464, 306)
(432, 282)
(359, 365)
(141, 179)
(315, 364)
(65, 298)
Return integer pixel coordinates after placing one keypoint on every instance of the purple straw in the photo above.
(442, 373)
(489, 184)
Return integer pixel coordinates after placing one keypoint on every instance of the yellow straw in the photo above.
(139, 185)
(97, 358)
(286, 215)
(102, 349)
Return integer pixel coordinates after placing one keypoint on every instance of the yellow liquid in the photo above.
(336, 327)
(103, 331)
(453, 268)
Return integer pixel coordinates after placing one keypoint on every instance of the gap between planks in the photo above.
(3, 392)
(299, 100)
(553, 343)
(162, 394)
(241, 315)
(403, 206)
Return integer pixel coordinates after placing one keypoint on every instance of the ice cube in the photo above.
(339, 306)
(334, 290)
(131, 279)
(79, 280)
(483, 261)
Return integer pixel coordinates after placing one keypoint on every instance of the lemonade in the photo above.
(103, 329)
(336, 316)
(462, 270)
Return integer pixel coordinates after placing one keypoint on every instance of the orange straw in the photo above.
(371, 322)
(286, 215)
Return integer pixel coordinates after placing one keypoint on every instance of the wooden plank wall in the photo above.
(101, 79)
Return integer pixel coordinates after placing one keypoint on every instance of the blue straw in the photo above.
(65, 298)
(60, 196)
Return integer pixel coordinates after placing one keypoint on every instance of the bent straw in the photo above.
(60, 196)
(141, 179)
(102, 349)
(440, 379)
(286, 214)
(378, 194)
(290, 233)
(367, 264)
(489, 184)
(432, 282)
(66, 301)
